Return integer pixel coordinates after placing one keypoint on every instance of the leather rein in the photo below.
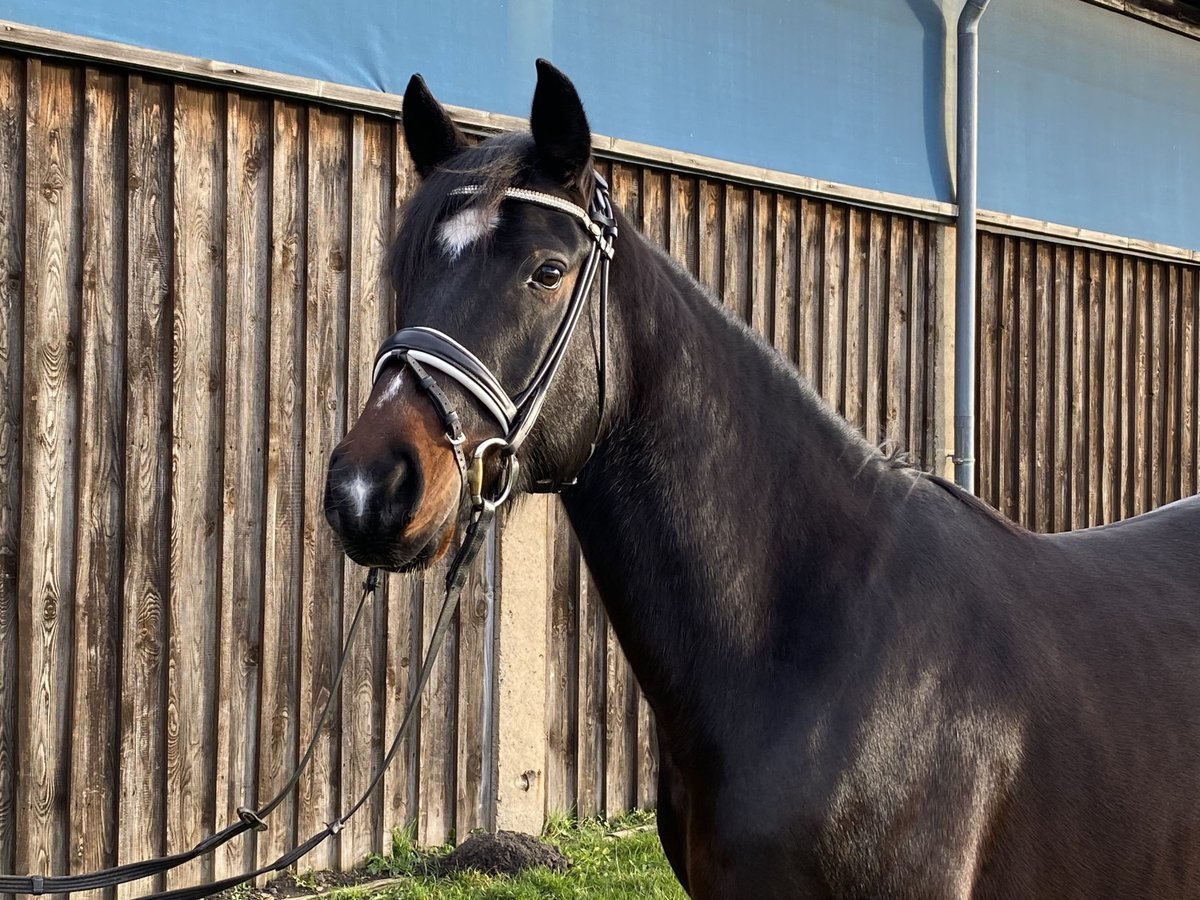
(418, 348)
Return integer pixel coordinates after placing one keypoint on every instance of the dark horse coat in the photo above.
(866, 683)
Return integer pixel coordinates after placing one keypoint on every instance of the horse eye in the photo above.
(548, 276)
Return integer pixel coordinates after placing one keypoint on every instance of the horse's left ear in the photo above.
(560, 128)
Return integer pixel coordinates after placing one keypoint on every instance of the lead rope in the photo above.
(247, 818)
(481, 519)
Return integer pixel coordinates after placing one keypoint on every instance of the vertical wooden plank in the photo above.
(1062, 387)
(12, 275)
(370, 226)
(812, 276)
(197, 378)
(1080, 477)
(1128, 347)
(762, 263)
(735, 247)
(142, 795)
(438, 745)
(592, 669)
(1043, 470)
(854, 361)
(986, 381)
(619, 729)
(896, 359)
(404, 600)
(284, 512)
(93, 746)
(1110, 494)
(786, 282)
(1141, 385)
(655, 221)
(684, 200)
(1155, 377)
(833, 308)
(1026, 375)
(1095, 314)
(1010, 348)
(918, 379)
(875, 306)
(1188, 378)
(325, 403)
(51, 418)
(710, 253)
(1172, 389)
(562, 669)
(473, 674)
(247, 321)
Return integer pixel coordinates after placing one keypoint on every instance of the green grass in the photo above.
(628, 867)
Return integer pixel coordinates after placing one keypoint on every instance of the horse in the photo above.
(865, 682)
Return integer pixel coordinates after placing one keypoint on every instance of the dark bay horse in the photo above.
(866, 683)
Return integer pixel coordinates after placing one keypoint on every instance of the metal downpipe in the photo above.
(964, 292)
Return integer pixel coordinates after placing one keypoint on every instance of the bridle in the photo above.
(421, 348)
(417, 347)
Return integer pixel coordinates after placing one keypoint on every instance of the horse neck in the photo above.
(728, 512)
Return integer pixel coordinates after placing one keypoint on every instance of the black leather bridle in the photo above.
(421, 348)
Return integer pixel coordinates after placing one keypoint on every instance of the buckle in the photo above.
(251, 818)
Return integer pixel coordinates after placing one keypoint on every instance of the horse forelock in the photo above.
(494, 165)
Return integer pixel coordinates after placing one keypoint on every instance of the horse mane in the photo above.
(896, 458)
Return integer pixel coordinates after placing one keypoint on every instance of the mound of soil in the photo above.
(502, 853)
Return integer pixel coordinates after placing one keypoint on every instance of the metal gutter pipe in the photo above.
(964, 285)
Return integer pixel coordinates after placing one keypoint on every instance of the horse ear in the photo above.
(430, 135)
(560, 128)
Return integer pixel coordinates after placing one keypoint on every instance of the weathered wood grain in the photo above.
(562, 668)
(1172, 476)
(283, 489)
(684, 199)
(93, 821)
(832, 380)
(12, 286)
(50, 420)
(896, 355)
(920, 408)
(786, 254)
(593, 662)
(735, 251)
(1111, 364)
(370, 226)
(142, 794)
(1026, 337)
(438, 792)
(811, 276)
(762, 264)
(196, 463)
(985, 366)
(710, 249)
(321, 601)
(854, 351)
(247, 188)
(1190, 396)
(1095, 320)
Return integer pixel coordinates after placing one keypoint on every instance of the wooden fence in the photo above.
(191, 297)
(1087, 386)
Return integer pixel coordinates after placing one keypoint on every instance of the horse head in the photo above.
(493, 267)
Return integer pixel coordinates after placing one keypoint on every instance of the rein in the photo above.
(416, 347)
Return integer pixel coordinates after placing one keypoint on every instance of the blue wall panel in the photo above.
(847, 90)
(1087, 116)
(1091, 119)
